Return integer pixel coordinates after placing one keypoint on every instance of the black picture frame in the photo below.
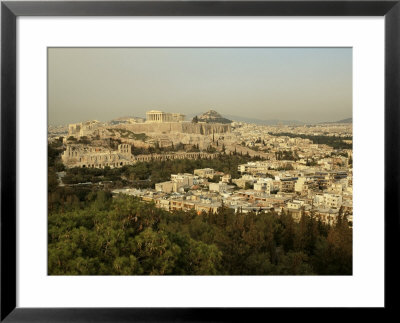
(10, 10)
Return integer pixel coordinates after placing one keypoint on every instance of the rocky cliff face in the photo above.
(212, 116)
(206, 129)
(177, 127)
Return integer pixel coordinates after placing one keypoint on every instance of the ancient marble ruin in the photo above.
(99, 157)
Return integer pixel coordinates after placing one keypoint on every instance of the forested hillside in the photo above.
(125, 236)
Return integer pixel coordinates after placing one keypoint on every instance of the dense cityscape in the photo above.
(209, 167)
(292, 173)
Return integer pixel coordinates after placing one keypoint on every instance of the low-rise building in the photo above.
(204, 172)
(218, 187)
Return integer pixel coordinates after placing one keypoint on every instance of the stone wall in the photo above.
(83, 156)
(179, 127)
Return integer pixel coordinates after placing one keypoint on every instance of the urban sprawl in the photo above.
(299, 168)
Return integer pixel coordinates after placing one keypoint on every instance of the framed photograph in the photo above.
(179, 160)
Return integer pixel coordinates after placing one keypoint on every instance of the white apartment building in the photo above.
(265, 185)
(331, 201)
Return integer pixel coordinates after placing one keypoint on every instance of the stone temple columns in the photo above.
(159, 116)
(155, 116)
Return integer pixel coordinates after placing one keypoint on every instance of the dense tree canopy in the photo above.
(125, 236)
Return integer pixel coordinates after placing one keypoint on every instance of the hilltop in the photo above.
(212, 116)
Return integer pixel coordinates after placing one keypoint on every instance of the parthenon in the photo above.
(159, 116)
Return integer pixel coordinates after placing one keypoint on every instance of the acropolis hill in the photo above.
(88, 144)
(157, 122)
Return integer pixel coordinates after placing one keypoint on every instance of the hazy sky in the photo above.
(305, 84)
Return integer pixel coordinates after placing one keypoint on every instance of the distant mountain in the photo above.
(348, 120)
(270, 122)
(212, 116)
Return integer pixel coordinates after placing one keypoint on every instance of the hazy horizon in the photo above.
(304, 84)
